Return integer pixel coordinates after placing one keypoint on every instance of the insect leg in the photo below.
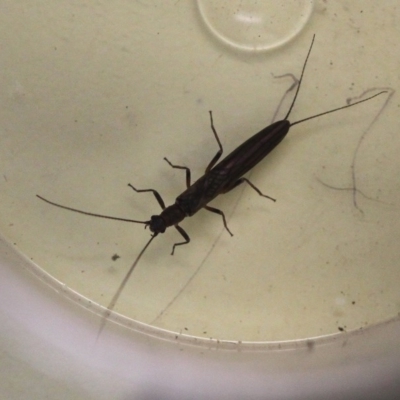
(180, 167)
(219, 152)
(184, 235)
(241, 180)
(221, 213)
(156, 195)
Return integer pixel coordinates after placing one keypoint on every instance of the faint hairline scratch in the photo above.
(353, 188)
(292, 87)
(189, 281)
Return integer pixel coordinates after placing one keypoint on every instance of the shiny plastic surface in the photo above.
(94, 95)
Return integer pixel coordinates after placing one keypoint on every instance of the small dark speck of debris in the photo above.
(310, 345)
(341, 329)
(186, 329)
(115, 257)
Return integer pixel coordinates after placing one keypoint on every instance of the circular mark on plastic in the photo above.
(250, 25)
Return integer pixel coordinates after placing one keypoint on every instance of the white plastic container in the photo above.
(302, 302)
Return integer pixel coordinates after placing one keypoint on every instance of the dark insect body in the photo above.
(218, 179)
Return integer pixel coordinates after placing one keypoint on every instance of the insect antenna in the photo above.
(115, 298)
(92, 214)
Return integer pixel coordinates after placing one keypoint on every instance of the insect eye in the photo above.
(157, 224)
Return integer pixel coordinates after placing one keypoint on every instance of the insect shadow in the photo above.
(218, 179)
